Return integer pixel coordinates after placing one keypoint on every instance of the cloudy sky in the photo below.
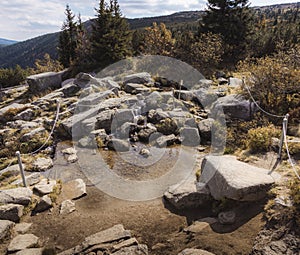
(24, 19)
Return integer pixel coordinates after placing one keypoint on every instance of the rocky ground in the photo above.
(142, 128)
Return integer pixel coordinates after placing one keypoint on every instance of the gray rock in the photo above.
(42, 82)
(236, 107)
(42, 164)
(185, 95)
(11, 212)
(71, 154)
(153, 101)
(13, 106)
(166, 140)
(5, 228)
(235, 82)
(126, 243)
(22, 242)
(122, 116)
(155, 116)
(145, 152)
(145, 134)
(118, 145)
(133, 88)
(30, 135)
(140, 249)
(205, 129)
(139, 78)
(187, 194)
(31, 179)
(189, 136)
(112, 234)
(13, 169)
(104, 120)
(70, 89)
(20, 196)
(167, 126)
(67, 207)
(199, 225)
(195, 252)
(26, 115)
(30, 125)
(32, 251)
(22, 228)
(77, 188)
(45, 186)
(226, 177)
(94, 98)
(227, 218)
(44, 204)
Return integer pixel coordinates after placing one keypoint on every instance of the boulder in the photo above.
(104, 120)
(139, 78)
(145, 133)
(45, 187)
(22, 228)
(226, 177)
(205, 129)
(122, 116)
(75, 189)
(195, 252)
(118, 145)
(44, 204)
(188, 194)
(5, 228)
(20, 196)
(166, 140)
(133, 88)
(32, 251)
(236, 107)
(22, 242)
(11, 212)
(42, 164)
(70, 89)
(44, 81)
(189, 136)
(67, 207)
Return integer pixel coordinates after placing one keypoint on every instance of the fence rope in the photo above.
(258, 106)
(51, 133)
(288, 152)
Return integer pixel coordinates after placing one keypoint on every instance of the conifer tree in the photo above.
(232, 19)
(68, 39)
(111, 38)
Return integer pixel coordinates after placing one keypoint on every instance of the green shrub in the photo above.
(260, 139)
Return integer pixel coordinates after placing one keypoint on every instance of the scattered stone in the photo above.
(31, 179)
(140, 249)
(227, 218)
(166, 140)
(71, 154)
(188, 194)
(195, 252)
(167, 126)
(69, 151)
(75, 189)
(104, 120)
(122, 116)
(22, 228)
(118, 145)
(126, 243)
(185, 95)
(22, 242)
(205, 129)
(72, 158)
(139, 78)
(67, 207)
(226, 177)
(199, 225)
(155, 116)
(42, 164)
(44, 204)
(133, 88)
(13, 106)
(5, 228)
(20, 196)
(11, 212)
(145, 152)
(32, 251)
(45, 186)
(13, 170)
(145, 133)
(26, 115)
(30, 135)
(70, 89)
(235, 82)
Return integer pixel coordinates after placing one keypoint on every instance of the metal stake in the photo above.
(21, 168)
(284, 128)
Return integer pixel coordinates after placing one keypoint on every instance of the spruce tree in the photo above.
(111, 38)
(232, 19)
(68, 39)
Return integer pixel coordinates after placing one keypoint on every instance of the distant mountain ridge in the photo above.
(5, 42)
(25, 53)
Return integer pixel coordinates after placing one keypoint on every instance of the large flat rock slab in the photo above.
(226, 177)
(20, 196)
(22, 242)
(195, 252)
(11, 212)
(5, 228)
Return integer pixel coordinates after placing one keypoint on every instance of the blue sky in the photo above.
(24, 19)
